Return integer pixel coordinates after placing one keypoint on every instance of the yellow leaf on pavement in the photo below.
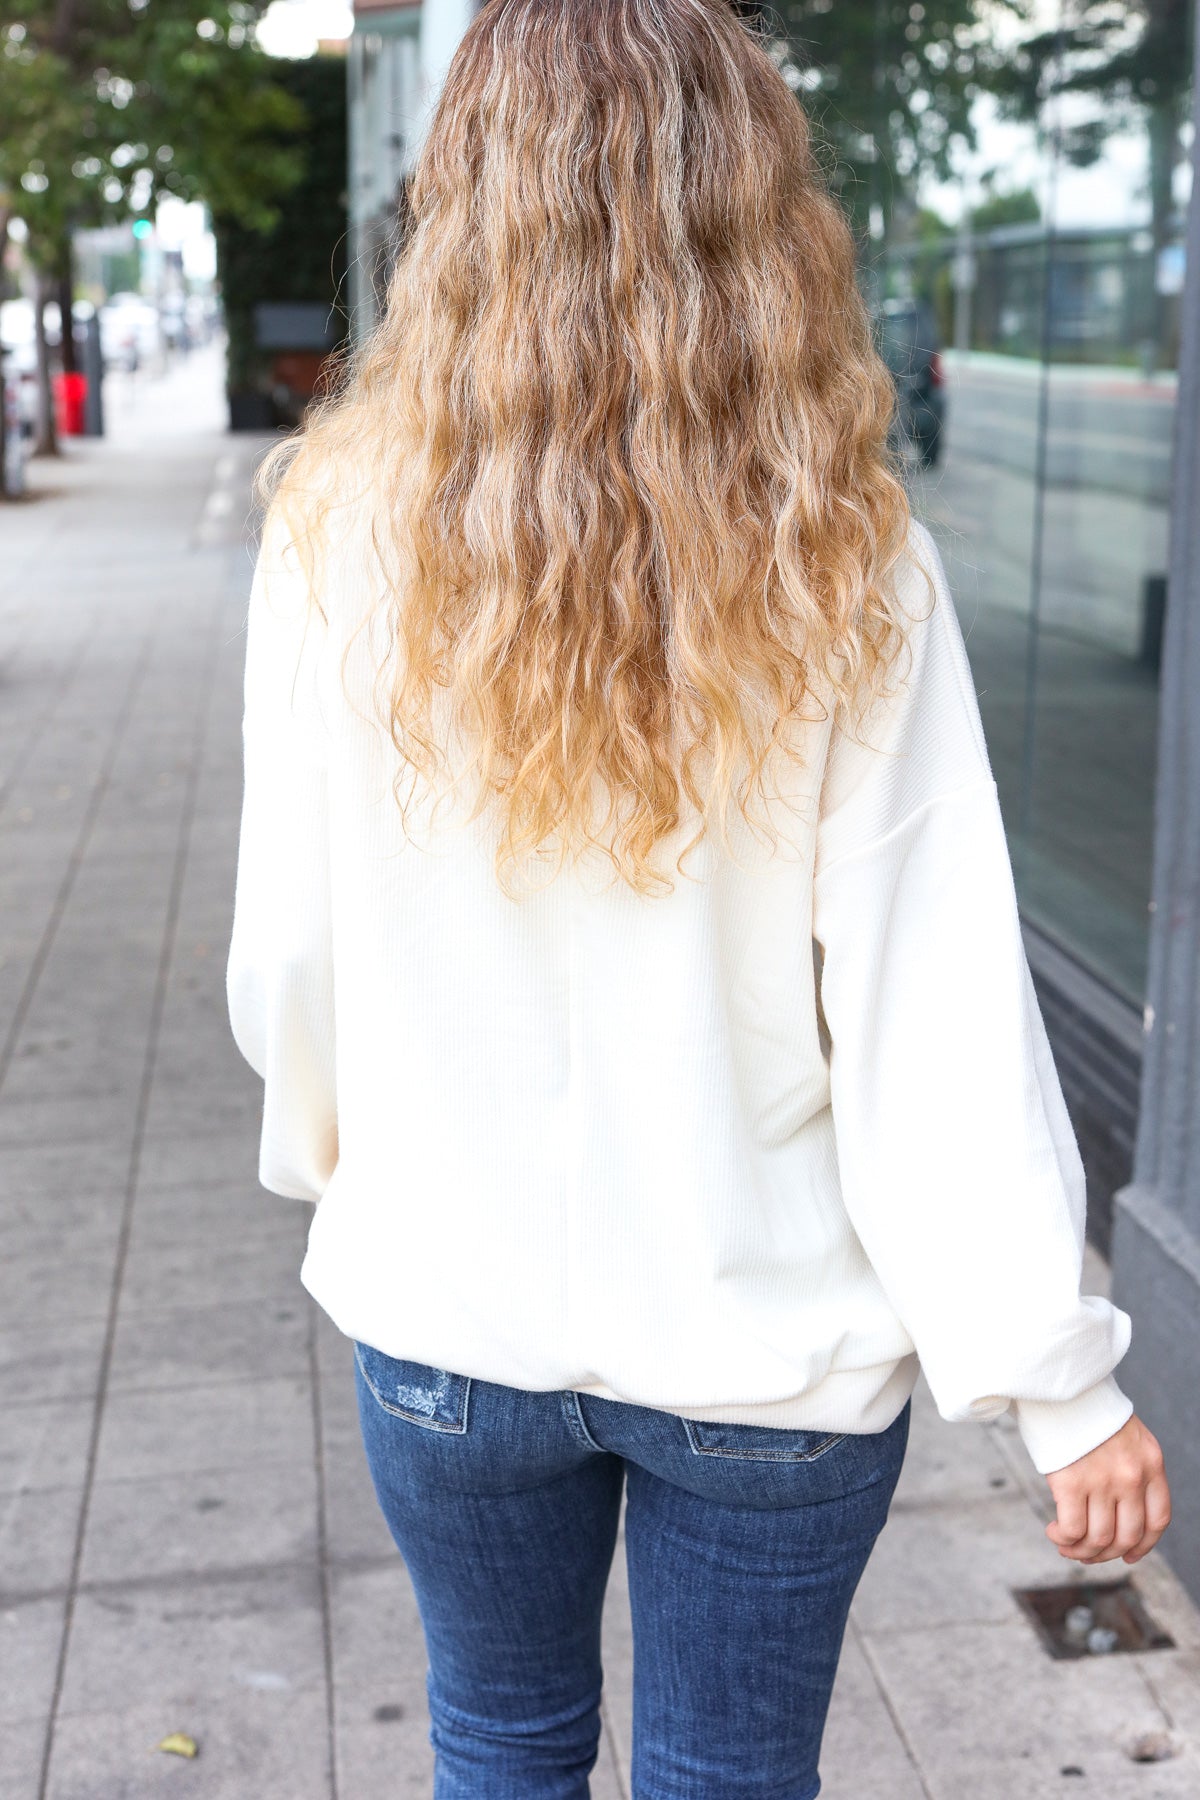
(179, 1743)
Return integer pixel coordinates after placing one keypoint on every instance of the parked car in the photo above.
(16, 334)
(16, 425)
(908, 343)
(18, 356)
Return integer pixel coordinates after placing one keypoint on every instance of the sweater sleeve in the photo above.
(279, 976)
(958, 1162)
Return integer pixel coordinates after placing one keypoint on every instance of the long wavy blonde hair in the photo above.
(623, 430)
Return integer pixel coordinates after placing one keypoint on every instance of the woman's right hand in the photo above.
(1114, 1501)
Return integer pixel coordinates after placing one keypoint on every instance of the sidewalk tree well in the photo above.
(295, 266)
(109, 104)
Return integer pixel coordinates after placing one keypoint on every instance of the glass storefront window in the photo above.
(385, 107)
(1053, 307)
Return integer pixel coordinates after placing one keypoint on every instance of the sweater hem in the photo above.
(843, 1400)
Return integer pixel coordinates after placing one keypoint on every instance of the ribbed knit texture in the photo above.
(753, 1151)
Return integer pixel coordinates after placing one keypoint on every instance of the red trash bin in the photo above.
(70, 396)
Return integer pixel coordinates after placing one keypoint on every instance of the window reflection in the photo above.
(1026, 245)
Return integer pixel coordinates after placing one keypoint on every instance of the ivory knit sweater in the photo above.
(754, 1151)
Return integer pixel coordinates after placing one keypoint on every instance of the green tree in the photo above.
(1133, 61)
(302, 256)
(890, 87)
(1020, 206)
(109, 104)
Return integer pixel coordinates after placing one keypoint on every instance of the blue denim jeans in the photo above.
(744, 1545)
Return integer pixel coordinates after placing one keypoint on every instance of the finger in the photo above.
(1071, 1523)
(1158, 1505)
(1157, 1517)
(1099, 1513)
(1130, 1523)
(1101, 1528)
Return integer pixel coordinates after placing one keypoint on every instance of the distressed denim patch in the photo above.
(416, 1391)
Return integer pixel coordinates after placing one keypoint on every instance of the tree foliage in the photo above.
(1017, 206)
(303, 255)
(1132, 61)
(889, 85)
(109, 104)
(1127, 56)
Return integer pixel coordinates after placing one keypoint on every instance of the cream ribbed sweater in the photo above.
(750, 1152)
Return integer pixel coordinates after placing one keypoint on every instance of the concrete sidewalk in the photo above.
(190, 1542)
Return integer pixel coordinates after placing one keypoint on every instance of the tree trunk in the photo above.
(1165, 53)
(66, 297)
(45, 441)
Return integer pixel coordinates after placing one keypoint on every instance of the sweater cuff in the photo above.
(1058, 1432)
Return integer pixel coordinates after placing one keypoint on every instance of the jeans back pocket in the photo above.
(416, 1391)
(759, 1443)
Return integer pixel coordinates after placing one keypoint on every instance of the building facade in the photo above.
(399, 53)
(1065, 341)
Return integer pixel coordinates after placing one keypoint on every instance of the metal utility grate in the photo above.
(1092, 1618)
